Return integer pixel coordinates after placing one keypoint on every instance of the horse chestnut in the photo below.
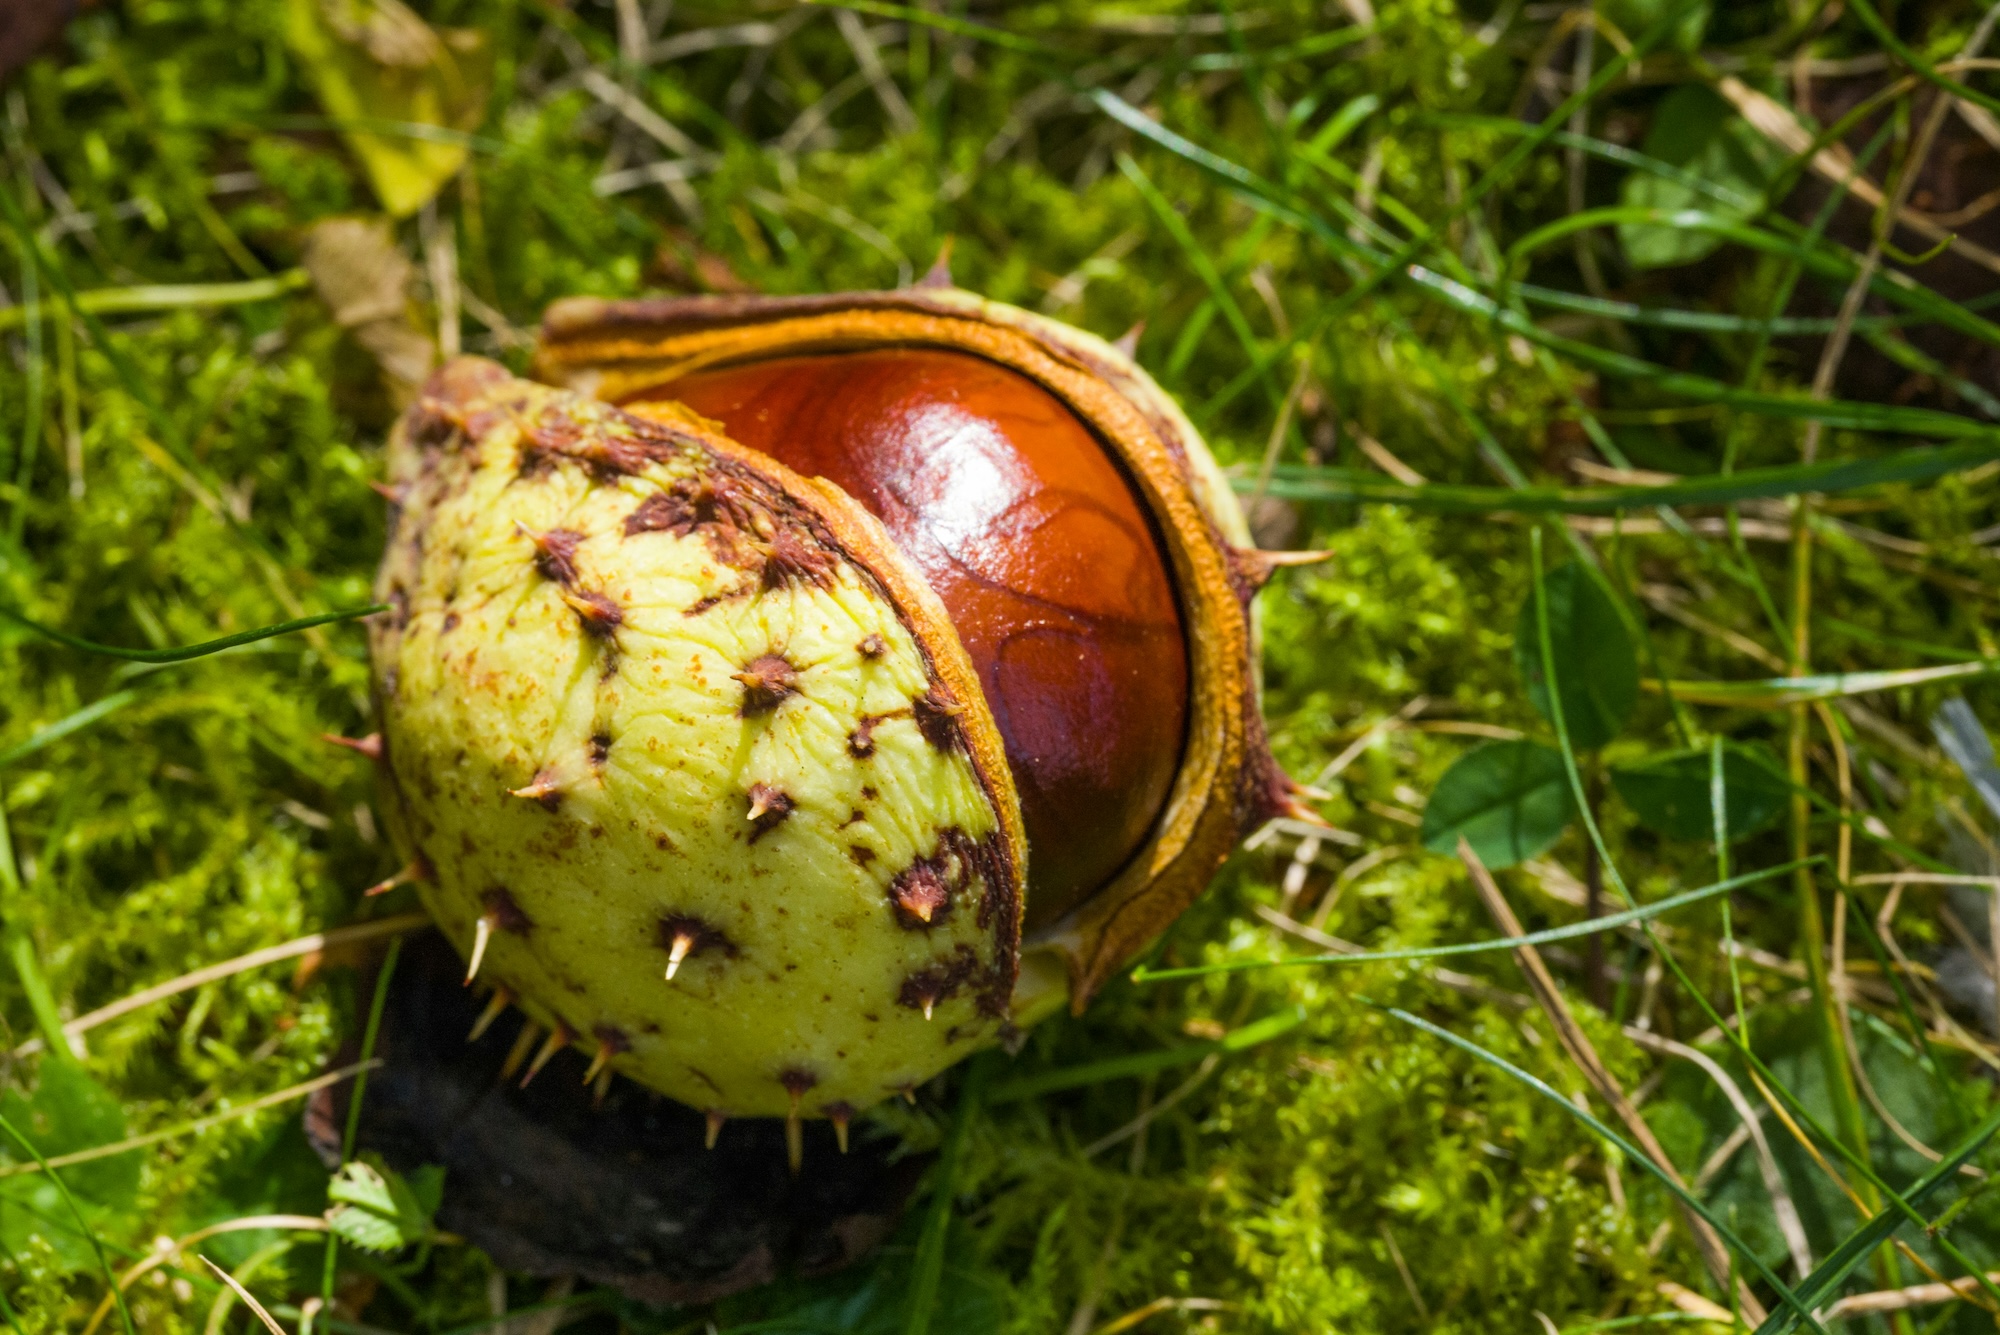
(737, 732)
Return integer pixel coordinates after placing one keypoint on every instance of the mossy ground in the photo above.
(1353, 1175)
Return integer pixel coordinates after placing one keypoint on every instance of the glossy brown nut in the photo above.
(1038, 547)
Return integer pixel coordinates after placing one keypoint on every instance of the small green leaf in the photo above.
(1596, 666)
(1670, 793)
(1509, 800)
(361, 1184)
(417, 1198)
(380, 1210)
(364, 1228)
(1698, 131)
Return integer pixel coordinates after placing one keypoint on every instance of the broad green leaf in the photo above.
(1509, 800)
(373, 63)
(363, 1184)
(1697, 130)
(1596, 667)
(1670, 793)
(68, 1111)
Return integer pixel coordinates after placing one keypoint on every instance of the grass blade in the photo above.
(927, 1271)
(1146, 1063)
(1616, 879)
(1820, 1284)
(63, 727)
(128, 374)
(258, 1104)
(1781, 692)
(89, 1233)
(1305, 482)
(329, 1270)
(1793, 1306)
(189, 651)
(1586, 928)
(173, 296)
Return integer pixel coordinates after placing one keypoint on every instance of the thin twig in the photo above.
(1376, 731)
(1152, 1111)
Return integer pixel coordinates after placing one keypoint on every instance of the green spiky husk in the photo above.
(645, 693)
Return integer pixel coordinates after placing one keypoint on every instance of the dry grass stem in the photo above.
(117, 1147)
(248, 1300)
(1458, 982)
(1375, 732)
(256, 959)
(1584, 1055)
(169, 1252)
(1782, 1206)
(1157, 1306)
(1900, 1300)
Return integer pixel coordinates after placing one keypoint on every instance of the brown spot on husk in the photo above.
(700, 605)
(595, 612)
(431, 422)
(791, 560)
(769, 808)
(872, 645)
(555, 554)
(937, 718)
(921, 893)
(720, 509)
(767, 680)
(924, 989)
(861, 742)
(700, 935)
(506, 914)
(611, 447)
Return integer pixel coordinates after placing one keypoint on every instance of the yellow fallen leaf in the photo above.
(400, 91)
